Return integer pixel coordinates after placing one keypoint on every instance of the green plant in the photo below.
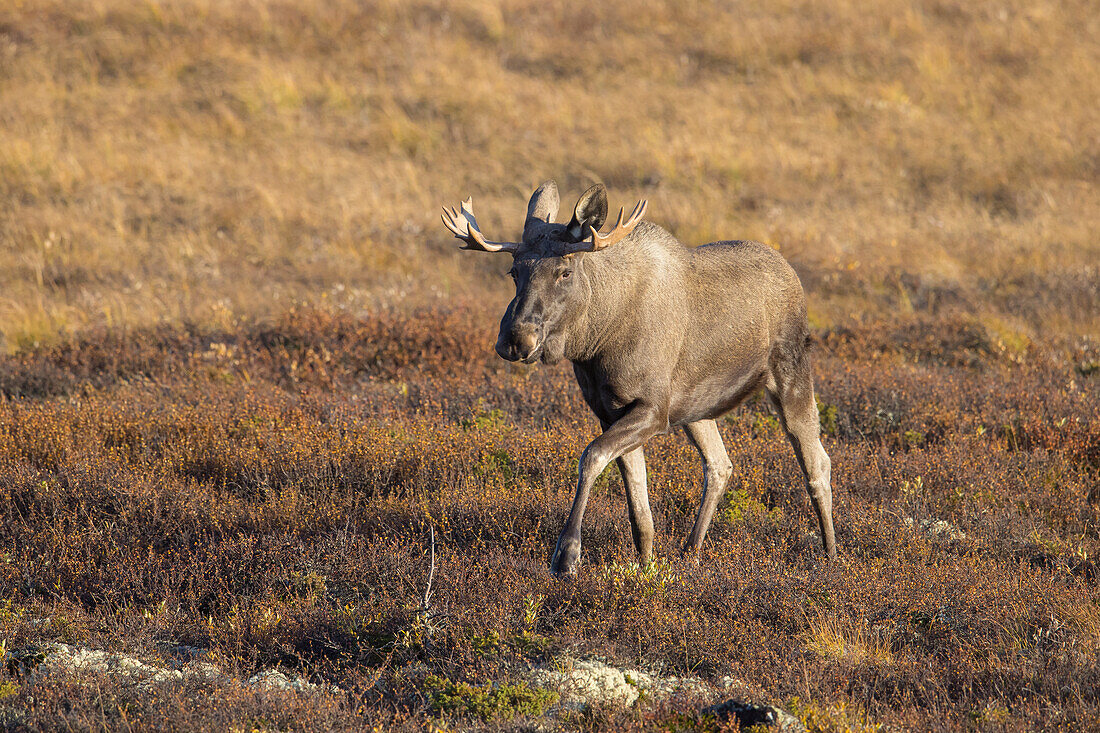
(912, 438)
(8, 688)
(532, 605)
(650, 579)
(483, 419)
(496, 464)
(487, 702)
(827, 415)
(485, 644)
(737, 506)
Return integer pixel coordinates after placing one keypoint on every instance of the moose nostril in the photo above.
(525, 343)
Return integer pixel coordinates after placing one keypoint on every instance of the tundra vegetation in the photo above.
(246, 375)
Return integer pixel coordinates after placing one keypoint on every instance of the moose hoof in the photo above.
(566, 556)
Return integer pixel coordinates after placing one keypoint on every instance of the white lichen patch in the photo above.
(938, 529)
(592, 682)
(64, 659)
(73, 660)
(274, 680)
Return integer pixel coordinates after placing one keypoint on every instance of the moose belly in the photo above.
(714, 396)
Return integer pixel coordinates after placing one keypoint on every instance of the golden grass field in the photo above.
(244, 369)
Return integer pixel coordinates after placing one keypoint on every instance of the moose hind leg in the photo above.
(705, 437)
(793, 400)
(632, 468)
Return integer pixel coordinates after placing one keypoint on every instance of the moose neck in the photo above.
(613, 278)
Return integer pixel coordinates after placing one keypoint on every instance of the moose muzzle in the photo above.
(519, 343)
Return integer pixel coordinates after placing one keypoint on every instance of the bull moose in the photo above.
(661, 335)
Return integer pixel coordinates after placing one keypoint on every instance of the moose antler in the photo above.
(464, 226)
(621, 230)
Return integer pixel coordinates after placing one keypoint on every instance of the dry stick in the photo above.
(431, 573)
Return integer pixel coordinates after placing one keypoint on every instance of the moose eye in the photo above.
(565, 274)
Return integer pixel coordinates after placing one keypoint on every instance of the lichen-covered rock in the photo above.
(273, 679)
(726, 682)
(589, 682)
(204, 671)
(63, 659)
(663, 688)
(66, 659)
(938, 529)
(592, 682)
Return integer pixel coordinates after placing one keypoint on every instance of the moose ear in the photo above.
(544, 202)
(590, 211)
(541, 209)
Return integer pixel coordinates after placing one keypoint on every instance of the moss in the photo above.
(487, 702)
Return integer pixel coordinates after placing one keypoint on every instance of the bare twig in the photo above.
(431, 573)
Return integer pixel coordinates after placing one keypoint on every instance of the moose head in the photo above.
(548, 268)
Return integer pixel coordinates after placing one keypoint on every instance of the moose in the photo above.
(661, 335)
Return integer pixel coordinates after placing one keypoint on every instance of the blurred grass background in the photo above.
(202, 161)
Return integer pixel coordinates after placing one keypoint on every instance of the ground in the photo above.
(247, 378)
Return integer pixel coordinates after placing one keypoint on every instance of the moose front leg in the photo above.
(630, 431)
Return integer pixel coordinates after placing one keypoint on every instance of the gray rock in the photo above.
(23, 660)
(748, 714)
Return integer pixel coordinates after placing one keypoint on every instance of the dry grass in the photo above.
(205, 160)
(234, 397)
(843, 641)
